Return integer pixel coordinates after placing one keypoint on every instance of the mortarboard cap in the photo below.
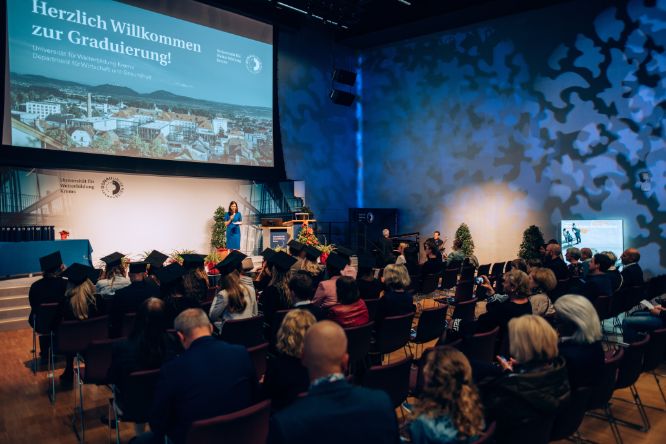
(170, 273)
(282, 261)
(366, 261)
(344, 251)
(193, 260)
(337, 260)
(295, 245)
(50, 261)
(237, 257)
(156, 259)
(138, 267)
(227, 266)
(311, 252)
(267, 253)
(113, 259)
(78, 273)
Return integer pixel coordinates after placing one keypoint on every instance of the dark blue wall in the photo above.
(526, 119)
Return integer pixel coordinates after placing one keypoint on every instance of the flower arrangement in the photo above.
(64, 234)
(212, 260)
(307, 236)
(177, 256)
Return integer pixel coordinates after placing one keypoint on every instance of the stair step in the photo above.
(14, 324)
(18, 290)
(14, 301)
(15, 312)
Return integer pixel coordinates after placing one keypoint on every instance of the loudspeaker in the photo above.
(341, 97)
(344, 76)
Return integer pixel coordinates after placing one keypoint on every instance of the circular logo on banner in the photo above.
(253, 64)
(370, 217)
(112, 187)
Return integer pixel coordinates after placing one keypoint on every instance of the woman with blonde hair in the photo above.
(542, 282)
(450, 409)
(535, 382)
(502, 308)
(396, 300)
(285, 376)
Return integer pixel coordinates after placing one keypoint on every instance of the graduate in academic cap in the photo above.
(368, 285)
(114, 276)
(173, 291)
(81, 303)
(49, 289)
(130, 298)
(195, 281)
(310, 265)
(234, 300)
(277, 295)
(263, 277)
(155, 261)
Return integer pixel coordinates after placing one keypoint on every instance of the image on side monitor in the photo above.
(104, 77)
(598, 235)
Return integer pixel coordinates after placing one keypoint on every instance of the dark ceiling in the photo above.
(367, 23)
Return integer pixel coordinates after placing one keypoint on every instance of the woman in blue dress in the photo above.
(233, 220)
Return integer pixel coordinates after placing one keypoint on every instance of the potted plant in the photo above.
(212, 260)
(218, 239)
(325, 251)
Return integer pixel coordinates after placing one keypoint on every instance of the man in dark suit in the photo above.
(300, 286)
(334, 411)
(209, 379)
(555, 262)
(632, 273)
(386, 247)
(50, 288)
(130, 298)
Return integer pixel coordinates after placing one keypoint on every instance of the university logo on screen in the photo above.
(112, 187)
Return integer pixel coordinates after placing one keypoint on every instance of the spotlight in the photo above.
(341, 97)
(345, 77)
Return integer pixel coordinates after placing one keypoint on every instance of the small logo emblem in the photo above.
(112, 187)
(253, 64)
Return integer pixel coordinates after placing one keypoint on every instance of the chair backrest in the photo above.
(394, 332)
(617, 303)
(654, 352)
(450, 278)
(632, 364)
(483, 270)
(464, 290)
(481, 346)
(635, 295)
(467, 273)
(46, 317)
(136, 398)
(97, 357)
(464, 310)
(428, 283)
(373, 305)
(247, 331)
(278, 317)
(128, 324)
(603, 391)
(358, 341)
(570, 414)
(431, 324)
(602, 306)
(420, 365)
(258, 355)
(74, 336)
(392, 378)
(498, 269)
(249, 426)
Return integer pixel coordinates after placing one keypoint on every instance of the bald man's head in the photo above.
(630, 256)
(325, 349)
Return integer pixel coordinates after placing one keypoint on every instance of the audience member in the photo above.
(503, 308)
(326, 295)
(449, 410)
(263, 277)
(334, 411)
(173, 292)
(147, 347)
(535, 383)
(597, 283)
(80, 303)
(300, 286)
(555, 262)
(368, 285)
(585, 257)
(575, 265)
(286, 377)
(433, 262)
(517, 264)
(542, 282)
(350, 311)
(438, 243)
(114, 276)
(632, 274)
(397, 300)
(643, 321)
(310, 264)
(210, 378)
(47, 290)
(613, 273)
(277, 296)
(580, 340)
(130, 298)
(195, 279)
(234, 300)
(534, 263)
